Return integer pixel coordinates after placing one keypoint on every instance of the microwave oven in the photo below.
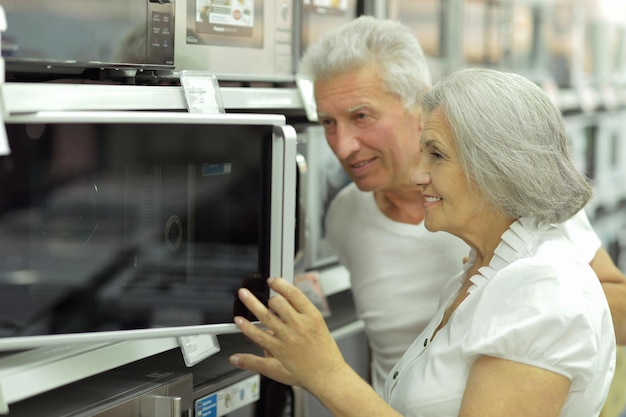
(73, 37)
(320, 178)
(125, 225)
(320, 16)
(242, 40)
(226, 39)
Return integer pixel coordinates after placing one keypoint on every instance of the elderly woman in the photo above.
(525, 328)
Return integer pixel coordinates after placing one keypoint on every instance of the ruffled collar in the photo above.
(513, 246)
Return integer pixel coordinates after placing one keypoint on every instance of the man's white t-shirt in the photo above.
(398, 270)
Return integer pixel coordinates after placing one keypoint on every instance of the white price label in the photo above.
(201, 92)
(197, 348)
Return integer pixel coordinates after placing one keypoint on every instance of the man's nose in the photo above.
(346, 141)
(419, 175)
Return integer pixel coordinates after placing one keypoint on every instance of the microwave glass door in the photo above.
(67, 36)
(128, 225)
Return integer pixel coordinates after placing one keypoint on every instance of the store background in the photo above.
(574, 49)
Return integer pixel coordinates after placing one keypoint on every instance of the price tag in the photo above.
(201, 92)
(309, 284)
(198, 347)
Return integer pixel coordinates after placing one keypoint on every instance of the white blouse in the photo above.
(536, 303)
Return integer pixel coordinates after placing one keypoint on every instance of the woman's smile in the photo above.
(430, 200)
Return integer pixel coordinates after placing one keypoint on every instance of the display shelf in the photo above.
(568, 100)
(349, 330)
(32, 97)
(28, 373)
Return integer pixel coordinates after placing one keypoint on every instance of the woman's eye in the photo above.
(436, 155)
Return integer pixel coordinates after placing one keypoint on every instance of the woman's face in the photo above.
(451, 202)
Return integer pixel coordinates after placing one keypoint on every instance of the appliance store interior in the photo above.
(125, 126)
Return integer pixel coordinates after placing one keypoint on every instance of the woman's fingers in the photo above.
(292, 294)
(298, 346)
(287, 305)
(269, 367)
(263, 338)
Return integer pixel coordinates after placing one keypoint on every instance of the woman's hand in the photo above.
(299, 349)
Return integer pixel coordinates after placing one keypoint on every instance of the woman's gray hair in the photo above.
(386, 45)
(512, 142)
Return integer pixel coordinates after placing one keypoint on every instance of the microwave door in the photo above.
(302, 225)
(116, 224)
(282, 216)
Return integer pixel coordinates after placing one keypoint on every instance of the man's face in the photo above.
(372, 134)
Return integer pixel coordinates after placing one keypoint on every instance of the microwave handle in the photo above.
(302, 226)
(162, 1)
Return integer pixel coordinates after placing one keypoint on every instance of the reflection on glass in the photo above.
(128, 226)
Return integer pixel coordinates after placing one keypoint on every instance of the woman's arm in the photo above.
(299, 350)
(614, 284)
(499, 387)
